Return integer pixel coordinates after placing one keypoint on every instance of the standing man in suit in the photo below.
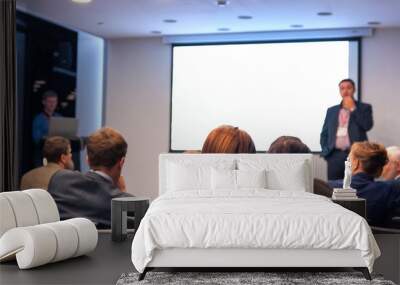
(40, 125)
(89, 194)
(344, 124)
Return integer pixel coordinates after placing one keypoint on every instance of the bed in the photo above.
(246, 211)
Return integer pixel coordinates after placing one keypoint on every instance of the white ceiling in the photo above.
(137, 18)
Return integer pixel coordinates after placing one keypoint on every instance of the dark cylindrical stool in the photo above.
(119, 214)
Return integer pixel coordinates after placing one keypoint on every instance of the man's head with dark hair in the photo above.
(349, 80)
(49, 94)
(106, 148)
(49, 101)
(288, 144)
(58, 150)
(347, 88)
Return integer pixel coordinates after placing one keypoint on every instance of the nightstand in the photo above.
(119, 215)
(356, 205)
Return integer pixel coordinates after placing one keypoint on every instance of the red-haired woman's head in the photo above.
(228, 139)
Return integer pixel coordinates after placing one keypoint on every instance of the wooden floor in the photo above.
(103, 266)
(110, 259)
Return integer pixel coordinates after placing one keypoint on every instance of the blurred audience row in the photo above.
(375, 173)
(83, 194)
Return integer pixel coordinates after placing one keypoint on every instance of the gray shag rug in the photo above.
(229, 278)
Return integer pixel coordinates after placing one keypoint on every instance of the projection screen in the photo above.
(267, 89)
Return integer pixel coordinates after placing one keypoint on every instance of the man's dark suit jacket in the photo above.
(396, 185)
(360, 122)
(84, 195)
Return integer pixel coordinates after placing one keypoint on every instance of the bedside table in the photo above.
(119, 215)
(356, 205)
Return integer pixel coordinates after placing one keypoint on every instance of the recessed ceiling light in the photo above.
(296, 26)
(224, 29)
(374, 23)
(245, 17)
(82, 1)
(170, 21)
(155, 32)
(222, 3)
(324, 13)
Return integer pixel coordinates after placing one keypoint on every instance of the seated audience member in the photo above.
(228, 139)
(383, 201)
(89, 195)
(57, 152)
(391, 171)
(289, 144)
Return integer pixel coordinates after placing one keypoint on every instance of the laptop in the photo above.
(64, 127)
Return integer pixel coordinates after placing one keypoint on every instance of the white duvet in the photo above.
(250, 219)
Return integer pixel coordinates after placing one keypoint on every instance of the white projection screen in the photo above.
(267, 89)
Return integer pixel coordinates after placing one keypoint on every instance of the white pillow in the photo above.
(292, 179)
(193, 174)
(251, 178)
(188, 177)
(223, 179)
(284, 171)
(237, 179)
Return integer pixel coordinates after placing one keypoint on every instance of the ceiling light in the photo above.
(224, 29)
(82, 1)
(222, 3)
(170, 21)
(155, 32)
(374, 23)
(324, 13)
(245, 17)
(296, 26)
(100, 23)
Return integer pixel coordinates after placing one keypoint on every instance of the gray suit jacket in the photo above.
(84, 195)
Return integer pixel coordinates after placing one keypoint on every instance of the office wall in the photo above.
(381, 84)
(137, 104)
(138, 100)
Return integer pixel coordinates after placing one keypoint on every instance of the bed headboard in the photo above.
(278, 162)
